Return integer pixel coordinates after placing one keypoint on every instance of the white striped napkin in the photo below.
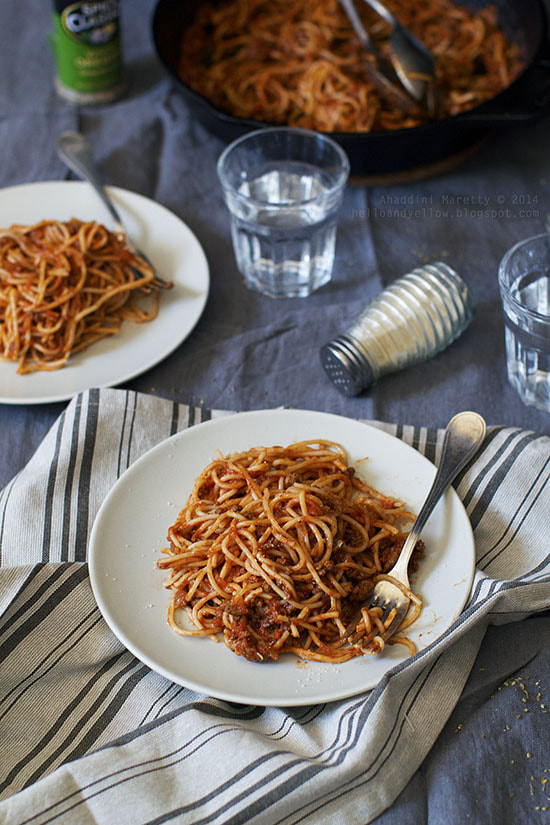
(96, 737)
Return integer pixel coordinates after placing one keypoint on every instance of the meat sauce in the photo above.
(257, 627)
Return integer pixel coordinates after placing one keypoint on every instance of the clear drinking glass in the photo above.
(524, 281)
(283, 188)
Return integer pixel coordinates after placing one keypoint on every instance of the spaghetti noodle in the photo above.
(64, 285)
(300, 64)
(276, 551)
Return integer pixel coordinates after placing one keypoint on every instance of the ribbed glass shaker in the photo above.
(412, 320)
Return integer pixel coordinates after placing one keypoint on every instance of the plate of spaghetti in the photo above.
(78, 308)
(235, 557)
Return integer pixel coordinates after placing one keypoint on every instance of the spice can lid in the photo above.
(346, 366)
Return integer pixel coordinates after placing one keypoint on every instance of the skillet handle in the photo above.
(527, 99)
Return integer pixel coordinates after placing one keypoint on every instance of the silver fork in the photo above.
(463, 437)
(76, 152)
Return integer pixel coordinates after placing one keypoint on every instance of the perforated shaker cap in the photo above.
(346, 366)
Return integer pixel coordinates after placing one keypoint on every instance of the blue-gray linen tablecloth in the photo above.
(88, 733)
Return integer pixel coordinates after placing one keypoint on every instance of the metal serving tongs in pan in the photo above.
(408, 76)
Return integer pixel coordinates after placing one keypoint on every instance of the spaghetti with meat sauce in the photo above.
(66, 284)
(300, 64)
(278, 548)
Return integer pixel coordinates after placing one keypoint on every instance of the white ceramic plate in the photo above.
(165, 239)
(132, 524)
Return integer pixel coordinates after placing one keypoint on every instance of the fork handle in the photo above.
(463, 436)
(75, 151)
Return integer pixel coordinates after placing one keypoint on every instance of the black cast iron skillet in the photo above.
(400, 154)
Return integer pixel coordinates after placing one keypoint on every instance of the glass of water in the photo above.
(524, 281)
(283, 188)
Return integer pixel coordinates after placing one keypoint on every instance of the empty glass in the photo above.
(524, 281)
(283, 188)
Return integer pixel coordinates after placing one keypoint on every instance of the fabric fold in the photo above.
(93, 730)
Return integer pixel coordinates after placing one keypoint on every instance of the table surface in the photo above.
(247, 351)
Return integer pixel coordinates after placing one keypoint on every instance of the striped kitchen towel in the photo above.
(92, 735)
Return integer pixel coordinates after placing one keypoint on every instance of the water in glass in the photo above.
(528, 337)
(284, 229)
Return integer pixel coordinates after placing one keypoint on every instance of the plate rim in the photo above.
(135, 371)
(251, 698)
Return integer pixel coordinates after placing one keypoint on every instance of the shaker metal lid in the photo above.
(346, 366)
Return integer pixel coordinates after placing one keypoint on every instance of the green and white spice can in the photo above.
(87, 49)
